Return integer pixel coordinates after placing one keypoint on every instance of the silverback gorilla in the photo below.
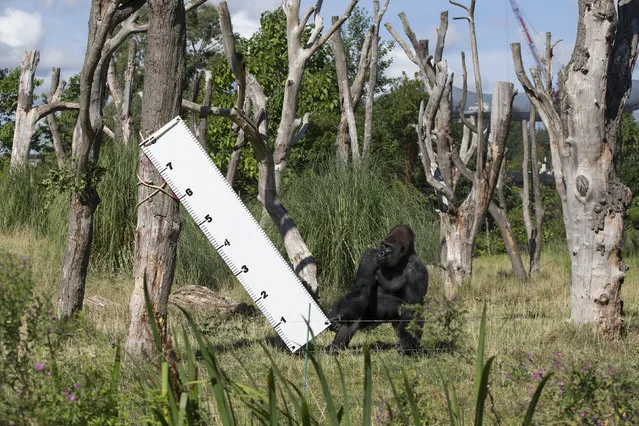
(387, 277)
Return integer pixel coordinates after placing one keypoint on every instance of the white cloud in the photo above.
(245, 14)
(244, 25)
(20, 29)
(400, 63)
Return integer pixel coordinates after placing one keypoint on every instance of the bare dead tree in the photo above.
(54, 95)
(533, 229)
(499, 212)
(110, 24)
(87, 137)
(531, 172)
(122, 94)
(347, 132)
(444, 163)
(290, 128)
(372, 76)
(583, 132)
(27, 114)
(254, 128)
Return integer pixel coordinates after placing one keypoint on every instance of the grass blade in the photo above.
(479, 364)
(330, 404)
(347, 405)
(272, 398)
(533, 402)
(368, 389)
(217, 378)
(483, 392)
(414, 409)
(396, 395)
(115, 374)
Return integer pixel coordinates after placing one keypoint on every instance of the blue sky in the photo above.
(58, 29)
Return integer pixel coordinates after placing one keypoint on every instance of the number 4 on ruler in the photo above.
(234, 233)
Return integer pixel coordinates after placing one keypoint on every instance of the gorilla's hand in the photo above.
(336, 323)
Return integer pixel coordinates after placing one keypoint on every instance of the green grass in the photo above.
(339, 213)
(526, 327)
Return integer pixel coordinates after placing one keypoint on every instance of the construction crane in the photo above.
(531, 44)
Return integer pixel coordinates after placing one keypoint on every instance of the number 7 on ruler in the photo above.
(234, 233)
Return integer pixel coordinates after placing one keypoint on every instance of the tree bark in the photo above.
(348, 130)
(53, 123)
(27, 115)
(121, 94)
(372, 77)
(25, 112)
(499, 213)
(535, 252)
(158, 225)
(583, 134)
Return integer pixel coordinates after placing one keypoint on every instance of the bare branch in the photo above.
(303, 126)
(402, 43)
(327, 35)
(462, 103)
(454, 3)
(53, 107)
(441, 36)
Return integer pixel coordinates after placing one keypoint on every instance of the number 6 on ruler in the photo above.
(234, 233)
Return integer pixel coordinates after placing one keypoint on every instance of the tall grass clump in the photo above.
(23, 200)
(115, 217)
(342, 210)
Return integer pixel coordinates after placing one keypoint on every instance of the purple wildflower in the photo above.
(75, 386)
(71, 397)
(39, 366)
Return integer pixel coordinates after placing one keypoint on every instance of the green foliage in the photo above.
(9, 80)
(581, 392)
(203, 38)
(64, 180)
(628, 153)
(34, 387)
(394, 136)
(553, 231)
(441, 322)
(341, 211)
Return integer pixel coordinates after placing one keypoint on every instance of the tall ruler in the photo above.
(234, 233)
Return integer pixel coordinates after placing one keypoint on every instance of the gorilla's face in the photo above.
(390, 254)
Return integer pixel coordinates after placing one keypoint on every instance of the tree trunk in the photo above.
(457, 253)
(500, 214)
(158, 225)
(583, 135)
(535, 240)
(76, 252)
(349, 129)
(53, 123)
(372, 78)
(502, 221)
(533, 229)
(26, 114)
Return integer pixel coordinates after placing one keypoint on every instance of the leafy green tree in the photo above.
(395, 138)
(203, 39)
(8, 100)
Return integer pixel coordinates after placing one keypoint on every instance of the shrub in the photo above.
(34, 387)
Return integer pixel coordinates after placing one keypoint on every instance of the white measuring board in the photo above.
(234, 233)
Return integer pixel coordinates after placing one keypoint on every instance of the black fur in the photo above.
(387, 278)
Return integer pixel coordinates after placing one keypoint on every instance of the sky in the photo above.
(58, 29)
